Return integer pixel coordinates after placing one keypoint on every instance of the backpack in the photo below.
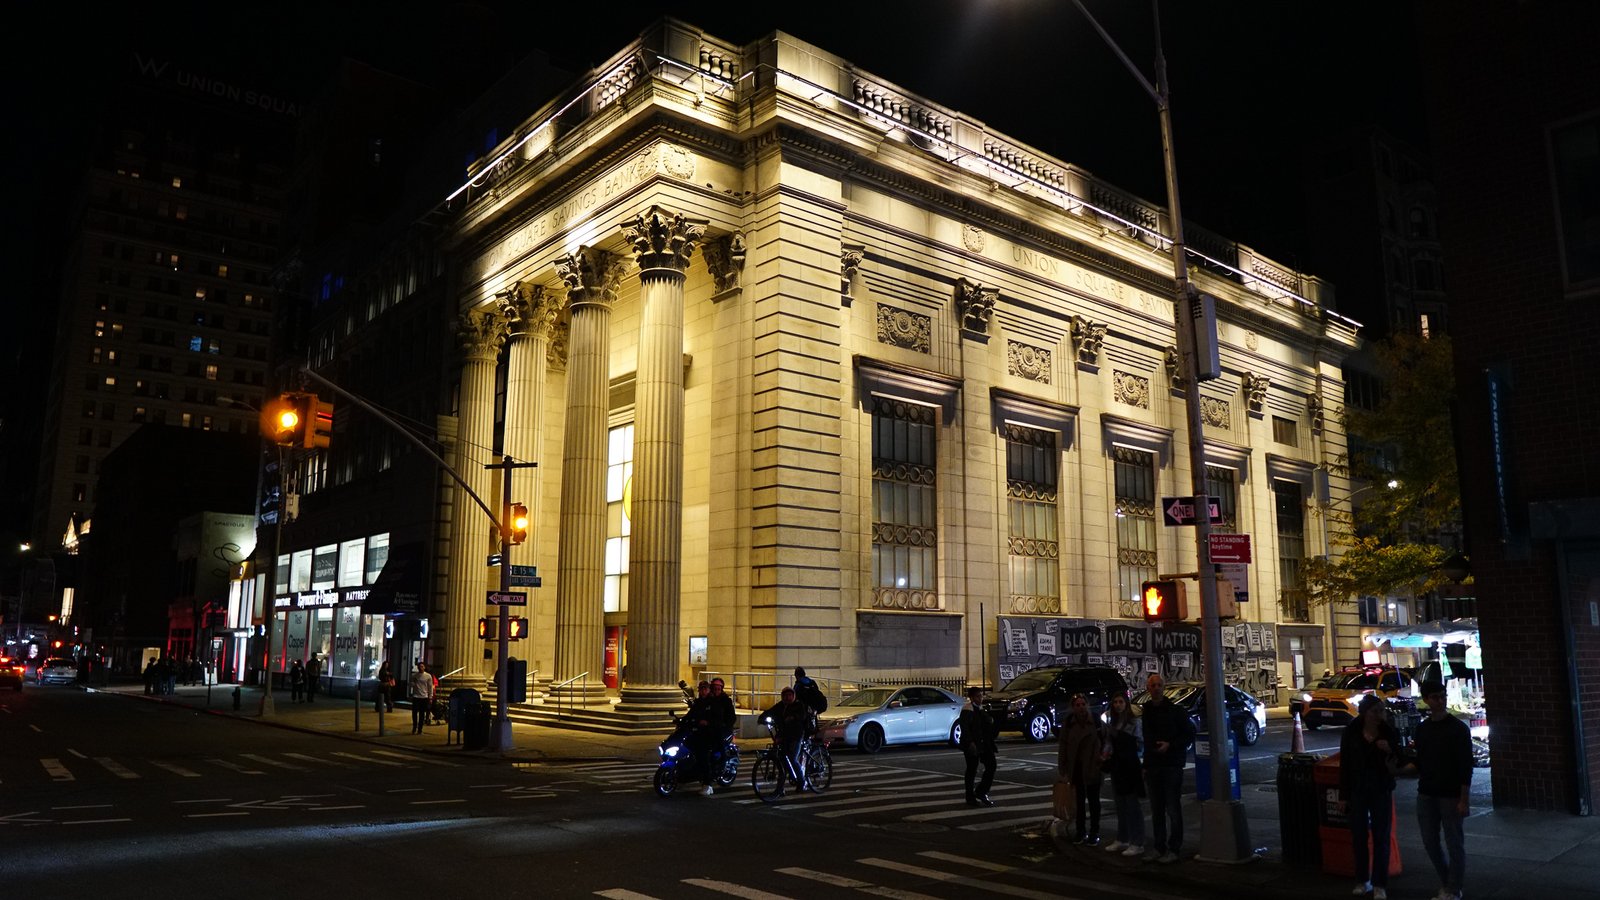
(812, 696)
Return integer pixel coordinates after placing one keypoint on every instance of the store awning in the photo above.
(398, 588)
(1426, 634)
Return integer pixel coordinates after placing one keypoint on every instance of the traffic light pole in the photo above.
(1224, 832)
(500, 738)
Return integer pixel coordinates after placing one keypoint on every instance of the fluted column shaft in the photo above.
(481, 332)
(590, 276)
(663, 243)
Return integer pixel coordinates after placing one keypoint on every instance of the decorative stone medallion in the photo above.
(972, 237)
(1130, 389)
(901, 328)
(1252, 341)
(1024, 361)
(676, 161)
(1216, 413)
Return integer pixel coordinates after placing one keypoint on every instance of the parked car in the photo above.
(11, 672)
(1246, 715)
(57, 671)
(874, 718)
(1034, 701)
(1334, 700)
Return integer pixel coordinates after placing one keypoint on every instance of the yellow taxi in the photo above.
(11, 672)
(1334, 700)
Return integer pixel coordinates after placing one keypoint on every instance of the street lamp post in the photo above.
(1224, 831)
(22, 549)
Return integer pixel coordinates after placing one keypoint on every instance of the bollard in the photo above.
(235, 698)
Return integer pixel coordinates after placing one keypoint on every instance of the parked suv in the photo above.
(57, 671)
(1035, 701)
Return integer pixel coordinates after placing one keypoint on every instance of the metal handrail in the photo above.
(569, 681)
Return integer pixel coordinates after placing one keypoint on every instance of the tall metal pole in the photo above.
(502, 673)
(269, 603)
(1224, 832)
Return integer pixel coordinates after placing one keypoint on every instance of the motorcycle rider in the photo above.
(790, 719)
(713, 717)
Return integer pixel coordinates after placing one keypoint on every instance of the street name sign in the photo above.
(1180, 510)
(509, 598)
(1230, 548)
(526, 580)
(525, 570)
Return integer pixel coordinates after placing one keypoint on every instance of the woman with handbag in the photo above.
(1127, 777)
(1085, 744)
(1367, 763)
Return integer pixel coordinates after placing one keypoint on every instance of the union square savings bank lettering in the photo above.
(1090, 282)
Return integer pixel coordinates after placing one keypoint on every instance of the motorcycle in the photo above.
(678, 761)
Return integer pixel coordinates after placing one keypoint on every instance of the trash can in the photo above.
(475, 735)
(1338, 853)
(1202, 767)
(1297, 808)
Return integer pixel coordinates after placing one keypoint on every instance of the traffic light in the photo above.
(283, 420)
(517, 524)
(1164, 601)
(319, 421)
(519, 628)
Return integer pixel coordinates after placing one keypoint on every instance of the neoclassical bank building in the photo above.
(815, 372)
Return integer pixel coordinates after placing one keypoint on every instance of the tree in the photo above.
(1402, 457)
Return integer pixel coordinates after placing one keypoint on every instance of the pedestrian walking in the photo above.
(1168, 733)
(1127, 781)
(385, 698)
(1444, 788)
(297, 681)
(1085, 744)
(420, 690)
(150, 673)
(313, 678)
(1367, 763)
(978, 746)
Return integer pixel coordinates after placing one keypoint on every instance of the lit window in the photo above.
(111, 357)
(904, 506)
(619, 527)
(99, 329)
(1291, 516)
(352, 562)
(111, 381)
(1425, 325)
(94, 355)
(1136, 525)
(222, 271)
(181, 212)
(211, 373)
(177, 182)
(377, 555)
(187, 419)
(199, 293)
(196, 343)
(1033, 544)
(249, 299)
(173, 260)
(1286, 431)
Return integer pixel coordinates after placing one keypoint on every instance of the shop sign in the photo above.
(304, 599)
(1474, 657)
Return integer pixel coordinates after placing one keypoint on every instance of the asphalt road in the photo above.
(106, 793)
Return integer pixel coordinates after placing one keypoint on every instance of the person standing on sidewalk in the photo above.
(297, 681)
(385, 698)
(420, 690)
(978, 746)
(1444, 788)
(1167, 736)
(1127, 782)
(313, 678)
(1085, 744)
(1367, 763)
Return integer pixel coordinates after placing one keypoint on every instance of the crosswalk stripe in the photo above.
(858, 801)
(980, 811)
(1034, 819)
(306, 757)
(115, 767)
(965, 860)
(419, 759)
(623, 894)
(174, 769)
(734, 890)
(962, 880)
(226, 764)
(357, 756)
(57, 770)
(267, 760)
(865, 887)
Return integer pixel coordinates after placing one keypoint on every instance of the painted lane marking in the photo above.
(368, 759)
(115, 767)
(214, 815)
(418, 759)
(94, 821)
(208, 800)
(1043, 805)
(623, 894)
(174, 769)
(866, 887)
(57, 771)
(962, 880)
(77, 754)
(266, 760)
(235, 767)
(320, 761)
(405, 790)
(36, 728)
(436, 802)
(734, 890)
(85, 806)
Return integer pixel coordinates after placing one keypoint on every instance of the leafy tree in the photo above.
(1403, 460)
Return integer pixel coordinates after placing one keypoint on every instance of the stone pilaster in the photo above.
(662, 244)
(591, 278)
(481, 332)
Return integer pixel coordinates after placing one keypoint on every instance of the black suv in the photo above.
(1035, 701)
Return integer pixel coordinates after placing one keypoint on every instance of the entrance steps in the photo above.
(598, 719)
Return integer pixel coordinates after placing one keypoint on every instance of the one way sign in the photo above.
(1180, 510)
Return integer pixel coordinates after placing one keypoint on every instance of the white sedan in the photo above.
(873, 718)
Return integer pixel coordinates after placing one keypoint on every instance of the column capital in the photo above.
(528, 310)
(591, 276)
(481, 332)
(663, 241)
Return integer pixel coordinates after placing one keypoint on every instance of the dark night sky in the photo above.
(1253, 82)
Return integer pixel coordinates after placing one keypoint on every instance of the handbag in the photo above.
(1063, 799)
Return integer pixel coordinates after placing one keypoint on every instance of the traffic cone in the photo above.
(1299, 744)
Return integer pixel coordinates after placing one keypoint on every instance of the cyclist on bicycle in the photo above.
(790, 720)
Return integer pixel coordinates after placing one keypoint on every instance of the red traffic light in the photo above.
(1164, 601)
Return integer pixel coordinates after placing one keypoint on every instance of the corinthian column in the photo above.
(591, 278)
(481, 332)
(530, 316)
(662, 243)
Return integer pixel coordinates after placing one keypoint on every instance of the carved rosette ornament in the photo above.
(555, 352)
(663, 241)
(1024, 361)
(591, 276)
(1255, 391)
(1088, 337)
(528, 310)
(849, 264)
(481, 332)
(1216, 413)
(725, 258)
(900, 328)
(1130, 389)
(975, 306)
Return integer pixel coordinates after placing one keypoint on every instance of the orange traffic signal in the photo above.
(283, 420)
(517, 524)
(1164, 601)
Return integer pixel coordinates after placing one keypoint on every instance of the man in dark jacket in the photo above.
(1444, 787)
(1168, 733)
(714, 717)
(789, 719)
(977, 744)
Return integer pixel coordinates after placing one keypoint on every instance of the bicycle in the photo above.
(773, 768)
